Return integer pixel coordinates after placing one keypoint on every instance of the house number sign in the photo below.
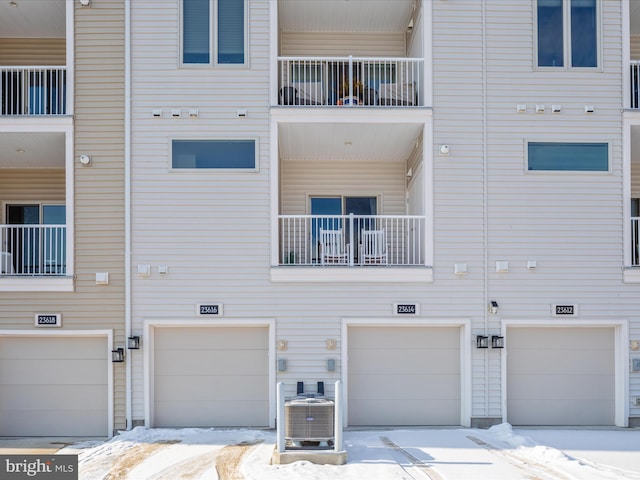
(405, 309)
(209, 309)
(48, 320)
(565, 310)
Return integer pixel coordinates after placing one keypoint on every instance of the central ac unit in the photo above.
(309, 420)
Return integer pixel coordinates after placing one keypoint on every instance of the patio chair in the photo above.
(373, 247)
(333, 249)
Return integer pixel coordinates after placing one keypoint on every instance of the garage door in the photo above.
(404, 376)
(53, 386)
(211, 376)
(560, 376)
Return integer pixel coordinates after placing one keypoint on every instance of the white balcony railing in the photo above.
(33, 90)
(635, 84)
(33, 250)
(401, 240)
(635, 241)
(349, 81)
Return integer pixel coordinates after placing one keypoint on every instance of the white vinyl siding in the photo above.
(572, 226)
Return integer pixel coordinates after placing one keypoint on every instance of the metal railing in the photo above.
(635, 84)
(33, 250)
(33, 90)
(349, 81)
(301, 240)
(635, 241)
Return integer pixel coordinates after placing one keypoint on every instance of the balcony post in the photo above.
(351, 238)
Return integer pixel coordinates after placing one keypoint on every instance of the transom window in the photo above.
(577, 157)
(213, 154)
(214, 31)
(567, 33)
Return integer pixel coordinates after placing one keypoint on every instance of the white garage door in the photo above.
(560, 376)
(53, 386)
(404, 376)
(211, 376)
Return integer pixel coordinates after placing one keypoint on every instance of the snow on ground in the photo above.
(498, 453)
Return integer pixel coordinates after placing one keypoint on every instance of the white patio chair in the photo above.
(373, 247)
(333, 248)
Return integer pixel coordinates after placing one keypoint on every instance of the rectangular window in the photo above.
(213, 26)
(213, 154)
(567, 33)
(577, 157)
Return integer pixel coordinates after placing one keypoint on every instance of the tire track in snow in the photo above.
(424, 468)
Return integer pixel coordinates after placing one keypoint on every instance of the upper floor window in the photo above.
(575, 157)
(213, 31)
(236, 154)
(567, 33)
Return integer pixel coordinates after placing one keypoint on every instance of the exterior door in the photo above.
(334, 209)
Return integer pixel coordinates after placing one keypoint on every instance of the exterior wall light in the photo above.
(133, 342)
(497, 341)
(493, 307)
(482, 341)
(117, 355)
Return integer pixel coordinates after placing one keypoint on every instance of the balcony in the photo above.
(33, 90)
(635, 84)
(33, 250)
(401, 241)
(350, 81)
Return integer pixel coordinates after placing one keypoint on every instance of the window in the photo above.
(567, 33)
(213, 154)
(581, 157)
(224, 17)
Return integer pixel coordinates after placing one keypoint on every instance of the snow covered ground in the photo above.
(499, 453)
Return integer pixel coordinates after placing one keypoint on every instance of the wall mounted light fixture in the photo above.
(482, 341)
(493, 307)
(133, 342)
(497, 341)
(117, 355)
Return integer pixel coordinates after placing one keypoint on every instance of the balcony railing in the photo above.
(399, 240)
(33, 90)
(635, 241)
(349, 81)
(33, 250)
(635, 84)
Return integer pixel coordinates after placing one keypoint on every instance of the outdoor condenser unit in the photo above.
(309, 420)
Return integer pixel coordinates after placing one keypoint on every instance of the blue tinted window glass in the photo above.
(231, 31)
(550, 36)
(583, 33)
(583, 157)
(196, 19)
(213, 154)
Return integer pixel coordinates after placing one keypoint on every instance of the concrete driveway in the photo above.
(38, 445)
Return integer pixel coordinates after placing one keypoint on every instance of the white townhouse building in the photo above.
(432, 201)
(62, 278)
(374, 192)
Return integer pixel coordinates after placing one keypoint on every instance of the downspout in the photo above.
(127, 205)
(485, 205)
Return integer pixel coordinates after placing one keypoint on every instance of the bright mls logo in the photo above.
(52, 467)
